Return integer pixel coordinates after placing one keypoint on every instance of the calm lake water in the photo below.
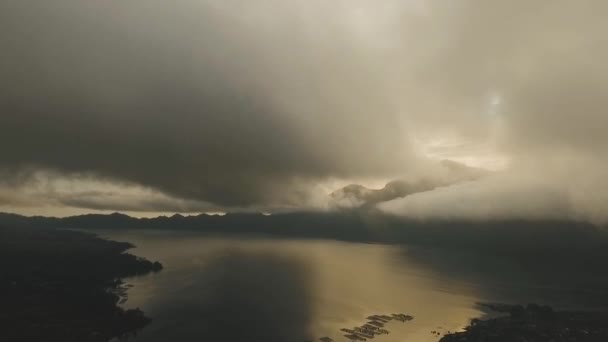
(255, 289)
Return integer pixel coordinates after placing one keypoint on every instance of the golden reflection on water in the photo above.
(346, 283)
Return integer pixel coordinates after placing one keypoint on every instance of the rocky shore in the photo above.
(535, 323)
(59, 285)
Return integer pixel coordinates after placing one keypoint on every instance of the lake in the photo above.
(257, 289)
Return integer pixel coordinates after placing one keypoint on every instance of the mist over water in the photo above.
(235, 289)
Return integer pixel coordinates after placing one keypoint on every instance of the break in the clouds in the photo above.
(220, 105)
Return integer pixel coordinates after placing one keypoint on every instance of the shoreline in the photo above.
(64, 285)
(539, 323)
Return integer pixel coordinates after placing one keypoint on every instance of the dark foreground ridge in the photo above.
(58, 285)
(535, 323)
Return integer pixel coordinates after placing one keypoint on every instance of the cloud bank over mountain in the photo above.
(212, 106)
(449, 173)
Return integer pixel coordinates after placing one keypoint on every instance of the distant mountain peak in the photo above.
(117, 214)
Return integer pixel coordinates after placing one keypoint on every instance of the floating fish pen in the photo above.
(354, 337)
(374, 327)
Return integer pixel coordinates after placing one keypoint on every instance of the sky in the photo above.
(191, 106)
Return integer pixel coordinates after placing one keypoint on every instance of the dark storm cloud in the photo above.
(187, 97)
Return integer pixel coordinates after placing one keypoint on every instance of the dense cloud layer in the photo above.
(215, 104)
(237, 105)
